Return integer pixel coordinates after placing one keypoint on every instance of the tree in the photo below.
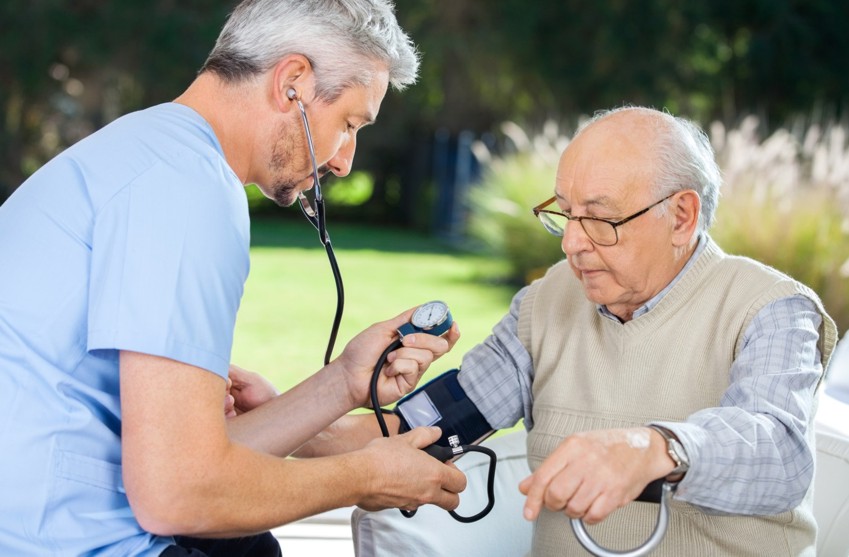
(70, 67)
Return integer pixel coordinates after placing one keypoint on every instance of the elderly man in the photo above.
(123, 261)
(648, 353)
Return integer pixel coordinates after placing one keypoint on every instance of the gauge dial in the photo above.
(429, 315)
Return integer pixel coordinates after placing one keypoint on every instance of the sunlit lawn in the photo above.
(289, 301)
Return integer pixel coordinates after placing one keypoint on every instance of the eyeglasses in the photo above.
(602, 232)
(314, 212)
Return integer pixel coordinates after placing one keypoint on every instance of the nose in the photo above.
(575, 240)
(341, 162)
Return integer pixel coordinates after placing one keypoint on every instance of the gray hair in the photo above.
(342, 39)
(685, 159)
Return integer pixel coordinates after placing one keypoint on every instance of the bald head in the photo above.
(665, 153)
(625, 138)
(630, 125)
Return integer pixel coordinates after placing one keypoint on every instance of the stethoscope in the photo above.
(432, 318)
(315, 215)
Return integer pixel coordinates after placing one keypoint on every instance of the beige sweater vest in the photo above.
(594, 373)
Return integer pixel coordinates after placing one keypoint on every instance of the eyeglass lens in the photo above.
(601, 232)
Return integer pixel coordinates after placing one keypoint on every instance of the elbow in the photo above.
(158, 514)
(154, 522)
(167, 507)
(800, 472)
(791, 491)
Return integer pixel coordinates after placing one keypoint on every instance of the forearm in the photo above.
(188, 470)
(346, 434)
(283, 424)
(243, 492)
(184, 475)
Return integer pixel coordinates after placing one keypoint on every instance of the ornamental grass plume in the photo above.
(785, 202)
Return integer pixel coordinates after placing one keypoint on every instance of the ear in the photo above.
(686, 209)
(291, 72)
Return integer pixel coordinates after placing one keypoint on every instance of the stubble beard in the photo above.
(283, 188)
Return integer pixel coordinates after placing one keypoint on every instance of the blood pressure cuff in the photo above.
(442, 402)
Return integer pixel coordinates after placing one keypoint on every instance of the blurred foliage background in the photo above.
(769, 78)
(69, 66)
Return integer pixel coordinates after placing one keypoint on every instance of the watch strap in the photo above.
(676, 452)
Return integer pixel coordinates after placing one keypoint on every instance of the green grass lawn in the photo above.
(290, 298)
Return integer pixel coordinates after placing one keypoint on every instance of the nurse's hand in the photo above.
(404, 366)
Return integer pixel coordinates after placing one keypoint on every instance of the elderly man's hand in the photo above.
(246, 390)
(592, 474)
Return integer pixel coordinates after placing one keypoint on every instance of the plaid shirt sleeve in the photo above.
(497, 373)
(751, 455)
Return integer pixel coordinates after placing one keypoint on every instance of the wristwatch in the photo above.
(676, 452)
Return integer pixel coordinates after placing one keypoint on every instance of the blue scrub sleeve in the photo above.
(168, 267)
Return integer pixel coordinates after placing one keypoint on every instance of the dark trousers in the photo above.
(263, 545)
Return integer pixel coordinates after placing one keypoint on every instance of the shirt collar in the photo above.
(648, 306)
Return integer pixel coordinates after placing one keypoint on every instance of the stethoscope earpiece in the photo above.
(292, 94)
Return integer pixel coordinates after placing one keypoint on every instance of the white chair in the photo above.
(837, 380)
(831, 482)
(831, 495)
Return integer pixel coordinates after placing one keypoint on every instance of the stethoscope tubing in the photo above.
(316, 217)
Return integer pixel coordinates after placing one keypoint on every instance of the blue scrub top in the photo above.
(136, 238)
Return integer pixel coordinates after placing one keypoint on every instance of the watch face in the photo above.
(680, 455)
(429, 315)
